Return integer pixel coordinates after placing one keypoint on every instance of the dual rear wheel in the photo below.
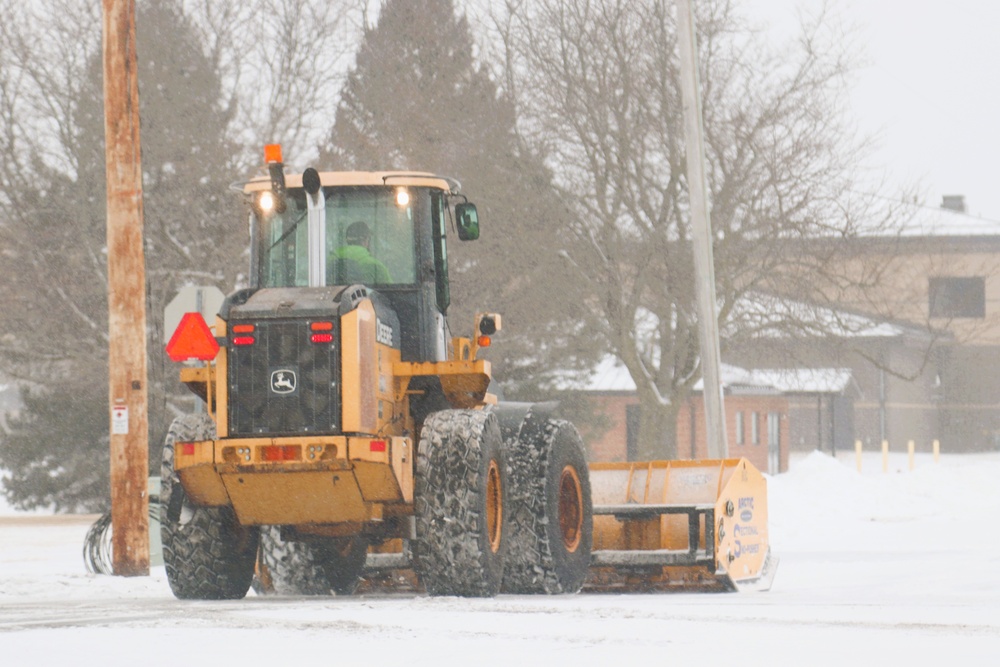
(494, 517)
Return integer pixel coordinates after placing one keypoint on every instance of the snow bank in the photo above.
(876, 568)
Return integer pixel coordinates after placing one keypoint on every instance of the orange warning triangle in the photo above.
(192, 339)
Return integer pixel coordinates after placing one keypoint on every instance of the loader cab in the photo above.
(383, 230)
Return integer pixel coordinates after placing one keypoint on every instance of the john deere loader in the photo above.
(346, 427)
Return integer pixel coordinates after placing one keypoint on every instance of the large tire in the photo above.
(207, 553)
(551, 525)
(459, 497)
(314, 567)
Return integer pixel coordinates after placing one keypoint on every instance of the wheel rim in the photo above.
(570, 509)
(494, 506)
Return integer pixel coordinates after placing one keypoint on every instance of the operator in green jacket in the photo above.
(358, 265)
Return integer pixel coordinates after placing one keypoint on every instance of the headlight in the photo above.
(266, 201)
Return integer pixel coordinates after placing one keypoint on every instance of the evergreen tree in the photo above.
(57, 338)
(57, 450)
(417, 100)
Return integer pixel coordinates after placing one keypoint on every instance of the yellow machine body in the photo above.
(330, 485)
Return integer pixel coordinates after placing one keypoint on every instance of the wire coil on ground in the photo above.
(97, 543)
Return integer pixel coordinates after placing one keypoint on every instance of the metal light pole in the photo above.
(126, 295)
(701, 233)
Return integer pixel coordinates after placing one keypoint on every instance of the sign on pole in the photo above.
(206, 300)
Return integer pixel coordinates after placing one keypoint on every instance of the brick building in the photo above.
(757, 417)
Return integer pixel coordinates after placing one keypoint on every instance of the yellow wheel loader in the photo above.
(345, 427)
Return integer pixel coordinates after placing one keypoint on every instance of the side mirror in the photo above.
(467, 221)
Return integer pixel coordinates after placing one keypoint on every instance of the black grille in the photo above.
(284, 384)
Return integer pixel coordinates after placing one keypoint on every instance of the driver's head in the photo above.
(358, 233)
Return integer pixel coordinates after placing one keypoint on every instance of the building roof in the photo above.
(805, 380)
(774, 317)
(917, 221)
(610, 375)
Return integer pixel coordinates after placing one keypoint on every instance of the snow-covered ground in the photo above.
(876, 569)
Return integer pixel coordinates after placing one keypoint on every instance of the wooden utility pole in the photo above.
(701, 234)
(126, 295)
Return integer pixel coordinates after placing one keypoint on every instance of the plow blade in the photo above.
(689, 525)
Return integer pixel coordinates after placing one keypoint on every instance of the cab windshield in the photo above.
(369, 237)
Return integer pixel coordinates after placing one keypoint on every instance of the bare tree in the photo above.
(275, 68)
(284, 63)
(213, 75)
(599, 86)
(43, 79)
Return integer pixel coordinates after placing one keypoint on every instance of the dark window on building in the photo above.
(773, 429)
(740, 432)
(755, 428)
(957, 297)
(773, 442)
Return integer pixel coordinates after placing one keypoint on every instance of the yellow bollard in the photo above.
(937, 451)
(909, 453)
(885, 456)
(857, 453)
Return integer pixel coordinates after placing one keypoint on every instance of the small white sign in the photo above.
(119, 420)
(191, 299)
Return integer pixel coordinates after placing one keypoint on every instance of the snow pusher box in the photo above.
(345, 432)
(699, 525)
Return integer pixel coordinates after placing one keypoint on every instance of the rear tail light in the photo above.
(243, 339)
(322, 332)
(281, 452)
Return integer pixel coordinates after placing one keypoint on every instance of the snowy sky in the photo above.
(929, 89)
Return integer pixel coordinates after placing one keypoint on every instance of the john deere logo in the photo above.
(283, 381)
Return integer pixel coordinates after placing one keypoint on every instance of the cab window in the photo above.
(369, 237)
